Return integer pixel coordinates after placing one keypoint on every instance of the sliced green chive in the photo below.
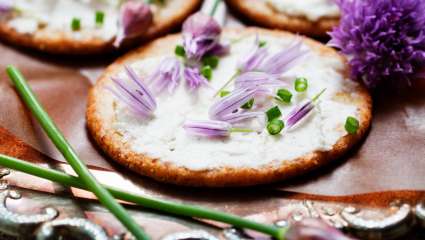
(179, 51)
(351, 125)
(301, 84)
(75, 24)
(284, 95)
(211, 61)
(273, 113)
(275, 126)
(99, 18)
(249, 104)
(262, 43)
(224, 93)
(206, 71)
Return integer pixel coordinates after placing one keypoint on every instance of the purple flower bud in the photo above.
(254, 58)
(166, 76)
(193, 78)
(137, 96)
(208, 128)
(135, 18)
(256, 79)
(201, 33)
(285, 59)
(231, 103)
(314, 229)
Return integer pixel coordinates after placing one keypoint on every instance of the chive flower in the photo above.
(256, 79)
(134, 19)
(231, 103)
(194, 78)
(166, 76)
(254, 57)
(6, 6)
(384, 40)
(201, 34)
(312, 228)
(136, 96)
(301, 111)
(285, 59)
(211, 128)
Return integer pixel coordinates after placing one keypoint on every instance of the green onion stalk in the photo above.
(88, 180)
(151, 203)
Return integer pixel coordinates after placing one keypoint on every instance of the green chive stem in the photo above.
(227, 83)
(151, 203)
(241, 130)
(314, 99)
(214, 8)
(68, 152)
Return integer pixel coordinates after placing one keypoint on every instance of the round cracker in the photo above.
(60, 43)
(260, 13)
(100, 117)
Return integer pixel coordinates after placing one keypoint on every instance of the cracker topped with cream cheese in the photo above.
(199, 136)
(88, 26)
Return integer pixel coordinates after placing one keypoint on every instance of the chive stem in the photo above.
(241, 130)
(151, 203)
(68, 152)
(214, 8)
(227, 83)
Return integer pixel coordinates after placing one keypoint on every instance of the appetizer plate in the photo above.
(82, 26)
(160, 147)
(309, 17)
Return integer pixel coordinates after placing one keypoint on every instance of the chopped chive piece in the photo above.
(224, 93)
(179, 51)
(75, 24)
(249, 104)
(284, 95)
(211, 61)
(275, 126)
(273, 113)
(99, 18)
(206, 71)
(262, 43)
(301, 84)
(351, 125)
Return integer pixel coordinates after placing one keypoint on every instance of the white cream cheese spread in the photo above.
(56, 16)
(164, 138)
(311, 9)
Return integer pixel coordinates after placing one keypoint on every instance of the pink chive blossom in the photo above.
(208, 128)
(166, 76)
(254, 57)
(134, 20)
(194, 78)
(301, 111)
(314, 229)
(228, 105)
(136, 96)
(284, 60)
(201, 34)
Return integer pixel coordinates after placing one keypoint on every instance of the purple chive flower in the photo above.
(254, 58)
(135, 18)
(384, 39)
(256, 79)
(314, 229)
(241, 116)
(301, 111)
(201, 34)
(208, 128)
(166, 76)
(6, 6)
(285, 59)
(230, 104)
(194, 78)
(137, 96)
